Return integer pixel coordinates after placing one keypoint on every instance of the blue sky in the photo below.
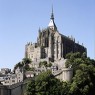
(21, 19)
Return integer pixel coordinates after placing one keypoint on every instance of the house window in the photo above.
(13, 80)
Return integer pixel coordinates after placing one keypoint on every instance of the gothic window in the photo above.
(58, 51)
(54, 51)
(13, 80)
(46, 42)
(52, 37)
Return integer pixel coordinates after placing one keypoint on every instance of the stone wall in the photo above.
(65, 74)
(16, 89)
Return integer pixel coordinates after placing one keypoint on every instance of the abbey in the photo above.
(51, 45)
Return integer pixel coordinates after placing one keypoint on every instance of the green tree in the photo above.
(83, 82)
(31, 88)
(19, 64)
(45, 84)
(49, 65)
(26, 61)
(45, 64)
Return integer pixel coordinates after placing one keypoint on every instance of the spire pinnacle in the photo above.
(52, 23)
(52, 14)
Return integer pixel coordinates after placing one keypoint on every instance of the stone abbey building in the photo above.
(51, 45)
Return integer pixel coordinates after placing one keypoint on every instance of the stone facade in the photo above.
(5, 70)
(12, 78)
(51, 45)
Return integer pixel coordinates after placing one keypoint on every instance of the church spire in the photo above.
(52, 14)
(52, 23)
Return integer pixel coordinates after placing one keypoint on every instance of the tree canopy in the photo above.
(45, 64)
(83, 81)
(44, 84)
(24, 63)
